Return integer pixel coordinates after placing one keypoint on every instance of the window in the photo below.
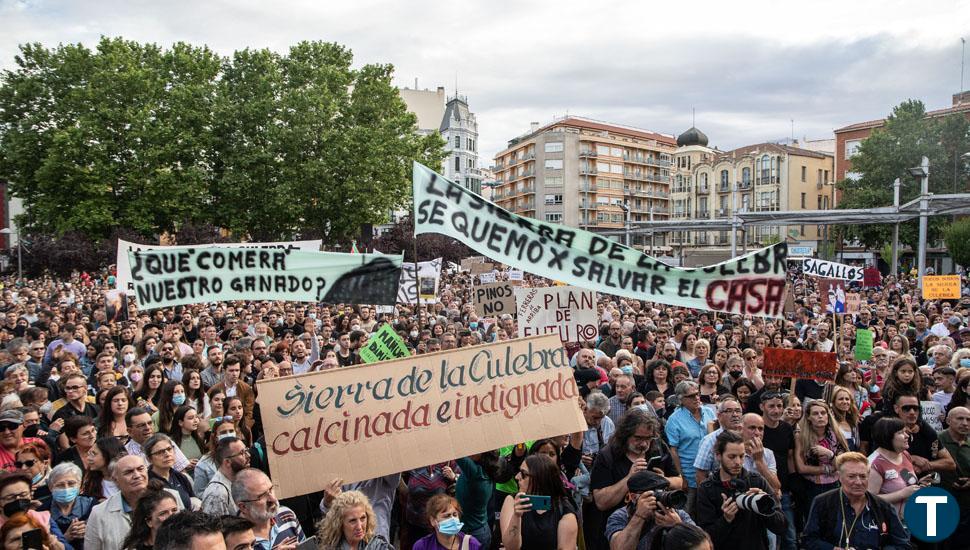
(602, 183)
(704, 180)
(725, 179)
(819, 202)
(801, 230)
(553, 164)
(825, 203)
(746, 175)
(826, 180)
(602, 150)
(616, 152)
(553, 181)
(803, 194)
(851, 147)
(554, 147)
(602, 216)
(603, 167)
(819, 176)
(457, 163)
(471, 144)
(554, 217)
(616, 168)
(471, 163)
(804, 173)
(457, 142)
(553, 199)
(602, 200)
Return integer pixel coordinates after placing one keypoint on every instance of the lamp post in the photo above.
(626, 215)
(923, 173)
(896, 185)
(20, 248)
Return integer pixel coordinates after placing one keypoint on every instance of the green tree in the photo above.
(906, 137)
(957, 239)
(121, 135)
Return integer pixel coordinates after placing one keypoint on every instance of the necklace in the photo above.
(847, 533)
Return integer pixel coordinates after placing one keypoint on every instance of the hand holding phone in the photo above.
(540, 502)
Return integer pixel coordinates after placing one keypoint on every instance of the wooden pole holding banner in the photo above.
(417, 280)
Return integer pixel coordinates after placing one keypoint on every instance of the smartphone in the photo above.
(655, 462)
(540, 502)
(308, 544)
(32, 540)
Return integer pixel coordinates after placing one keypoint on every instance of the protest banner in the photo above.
(174, 276)
(494, 299)
(427, 288)
(832, 294)
(941, 287)
(871, 277)
(751, 284)
(384, 345)
(484, 267)
(365, 422)
(116, 306)
(408, 290)
(853, 302)
(566, 310)
(932, 414)
(467, 263)
(486, 278)
(796, 363)
(123, 280)
(516, 275)
(831, 270)
(863, 344)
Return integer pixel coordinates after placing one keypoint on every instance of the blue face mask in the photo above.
(718, 327)
(37, 477)
(178, 399)
(627, 370)
(473, 325)
(450, 526)
(965, 362)
(65, 496)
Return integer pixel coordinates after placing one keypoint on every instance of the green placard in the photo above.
(384, 345)
(863, 345)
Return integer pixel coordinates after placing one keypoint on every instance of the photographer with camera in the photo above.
(650, 508)
(736, 506)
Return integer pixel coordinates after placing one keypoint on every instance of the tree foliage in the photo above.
(887, 154)
(428, 246)
(267, 146)
(957, 239)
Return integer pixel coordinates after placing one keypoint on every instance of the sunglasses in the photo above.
(909, 408)
(25, 464)
(8, 427)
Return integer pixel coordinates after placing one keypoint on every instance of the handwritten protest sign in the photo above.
(479, 268)
(832, 294)
(516, 275)
(485, 278)
(384, 345)
(853, 302)
(494, 299)
(751, 284)
(173, 276)
(123, 280)
(932, 414)
(863, 345)
(410, 279)
(364, 422)
(941, 287)
(871, 277)
(467, 263)
(566, 310)
(831, 270)
(796, 363)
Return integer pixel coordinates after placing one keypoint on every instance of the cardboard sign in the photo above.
(832, 294)
(116, 306)
(871, 277)
(831, 270)
(516, 275)
(797, 363)
(853, 302)
(494, 299)
(467, 263)
(363, 422)
(384, 345)
(408, 290)
(941, 287)
(172, 276)
(485, 267)
(123, 280)
(932, 414)
(751, 284)
(566, 310)
(486, 278)
(863, 345)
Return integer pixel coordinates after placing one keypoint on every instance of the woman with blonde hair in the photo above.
(818, 441)
(350, 524)
(846, 414)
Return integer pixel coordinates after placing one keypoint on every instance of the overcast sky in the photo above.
(747, 67)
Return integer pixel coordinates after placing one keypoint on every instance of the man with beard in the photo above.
(172, 368)
(212, 374)
(629, 451)
(301, 359)
(274, 525)
(232, 456)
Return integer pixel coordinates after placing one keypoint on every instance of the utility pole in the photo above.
(651, 228)
(895, 266)
(626, 211)
(924, 205)
(734, 213)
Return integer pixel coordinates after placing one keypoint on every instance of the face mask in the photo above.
(414, 334)
(129, 358)
(718, 327)
(735, 374)
(225, 435)
(746, 323)
(473, 325)
(627, 370)
(450, 526)
(37, 477)
(312, 315)
(16, 507)
(931, 362)
(178, 399)
(31, 431)
(965, 362)
(355, 327)
(65, 496)
(135, 377)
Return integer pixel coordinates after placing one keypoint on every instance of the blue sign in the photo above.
(932, 514)
(799, 251)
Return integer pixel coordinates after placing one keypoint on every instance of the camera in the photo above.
(759, 503)
(671, 499)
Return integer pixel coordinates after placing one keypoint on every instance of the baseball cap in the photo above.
(12, 416)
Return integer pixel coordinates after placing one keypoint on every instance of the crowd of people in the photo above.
(144, 432)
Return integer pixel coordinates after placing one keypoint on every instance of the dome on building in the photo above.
(693, 136)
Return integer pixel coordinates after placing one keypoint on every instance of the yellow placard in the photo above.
(941, 287)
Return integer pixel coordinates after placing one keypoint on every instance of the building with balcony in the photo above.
(585, 173)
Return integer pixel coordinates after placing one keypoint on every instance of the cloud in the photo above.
(747, 68)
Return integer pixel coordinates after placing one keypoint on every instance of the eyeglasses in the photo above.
(775, 395)
(240, 453)
(25, 464)
(164, 451)
(74, 388)
(909, 408)
(690, 396)
(168, 349)
(260, 496)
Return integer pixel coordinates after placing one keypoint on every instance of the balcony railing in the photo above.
(703, 214)
(587, 171)
(723, 188)
(587, 153)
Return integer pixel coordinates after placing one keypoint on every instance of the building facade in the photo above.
(459, 128)
(587, 174)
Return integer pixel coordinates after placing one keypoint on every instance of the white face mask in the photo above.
(414, 334)
(129, 358)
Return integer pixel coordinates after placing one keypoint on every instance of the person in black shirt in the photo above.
(925, 450)
(780, 438)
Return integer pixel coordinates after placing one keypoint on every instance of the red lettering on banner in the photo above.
(755, 296)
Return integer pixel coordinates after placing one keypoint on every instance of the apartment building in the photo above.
(587, 174)
(769, 176)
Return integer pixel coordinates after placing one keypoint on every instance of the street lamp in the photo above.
(626, 212)
(20, 248)
(922, 173)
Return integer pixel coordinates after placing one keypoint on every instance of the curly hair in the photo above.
(330, 529)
